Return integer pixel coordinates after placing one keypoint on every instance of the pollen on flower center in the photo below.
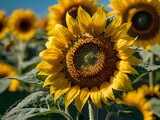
(90, 62)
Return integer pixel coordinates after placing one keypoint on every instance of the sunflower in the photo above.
(86, 59)
(144, 15)
(23, 24)
(43, 22)
(4, 29)
(136, 99)
(8, 70)
(150, 92)
(58, 12)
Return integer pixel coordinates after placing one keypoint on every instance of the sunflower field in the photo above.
(84, 60)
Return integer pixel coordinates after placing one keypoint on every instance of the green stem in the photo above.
(151, 81)
(112, 116)
(93, 111)
(20, 55)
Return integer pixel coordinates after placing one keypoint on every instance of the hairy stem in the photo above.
(93, 111)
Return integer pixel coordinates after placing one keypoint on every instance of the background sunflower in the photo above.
(144, 15)
(4, 28)
(139, 102)
(58, 11)
(23, 24)
(8, 70)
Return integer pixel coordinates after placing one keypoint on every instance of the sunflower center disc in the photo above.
(142, 20)
(145, 21)
(2, 76)
(73, 11)
(24, 25)
(148, 97)
(90, 62)
(87, 57)
(1, 27)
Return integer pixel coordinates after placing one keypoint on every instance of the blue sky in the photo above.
(40, 7)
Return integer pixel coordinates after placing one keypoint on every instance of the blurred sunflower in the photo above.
(58, 12)
(150, 92)
(23, 24)
(4, 28)
(88, 59)
(144, 15)
(136, 99)
(8, 70)
(42, 23)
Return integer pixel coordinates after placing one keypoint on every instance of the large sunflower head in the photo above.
(88, 59)
(8, 70)
(23, 24)
(144, 15)
(58, 12)
(136, 99)
(4, 28)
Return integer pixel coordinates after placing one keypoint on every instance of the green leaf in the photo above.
(155, 106)
(53, 112)
(35, 106)
(152, 67)
(4, 84)
(156, 50)
(130, 113)
(30, 78)
(35, 103)
(124, 112)
(117, 94)
(144, 55)
(32, 62)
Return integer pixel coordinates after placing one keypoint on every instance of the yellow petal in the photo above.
(81, 99)
(52, 55)
(48, 68)
(60, 91)
(62, 32)
(123, 44)
(126, 68)
(132, 60)
(14, 85)
(121, 82)
(57, 42)
(125, 54)
(95, 95)
(104, 90)
(84, 20)
(52, 89)
(122, 30)
(99, 21)
(107, 94)
(72, 93)
(54, 79)
(72, 25)
(55, 9)
(112, 26)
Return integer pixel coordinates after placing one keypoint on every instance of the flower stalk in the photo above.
(151, 60)
(93, 111)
